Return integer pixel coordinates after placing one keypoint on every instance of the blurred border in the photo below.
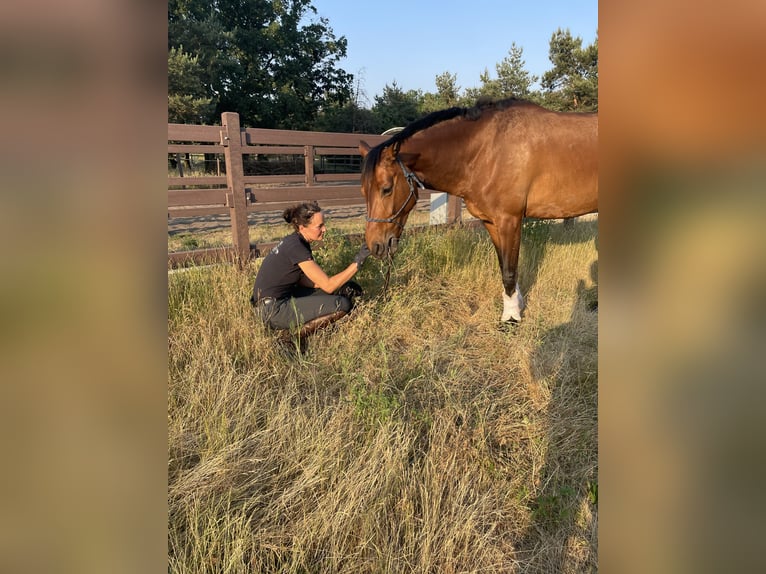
(681, 279)
(83, 101)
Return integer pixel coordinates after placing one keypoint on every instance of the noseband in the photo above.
(413, 193)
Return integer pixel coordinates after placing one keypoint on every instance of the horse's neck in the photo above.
(439, 164)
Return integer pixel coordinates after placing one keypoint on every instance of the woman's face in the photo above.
(315, 230)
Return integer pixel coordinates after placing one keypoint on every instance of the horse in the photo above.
(506, 159)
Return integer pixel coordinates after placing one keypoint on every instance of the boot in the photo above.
(291, 345)
(285, 344)
(314, 325)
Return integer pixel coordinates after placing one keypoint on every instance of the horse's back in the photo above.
(557, 158)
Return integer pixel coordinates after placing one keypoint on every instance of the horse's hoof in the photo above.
(508, 326)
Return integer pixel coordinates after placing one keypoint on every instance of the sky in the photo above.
(413, 41)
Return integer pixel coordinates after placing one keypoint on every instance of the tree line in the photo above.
(276, 63)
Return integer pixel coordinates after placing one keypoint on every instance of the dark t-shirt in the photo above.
(279, 272)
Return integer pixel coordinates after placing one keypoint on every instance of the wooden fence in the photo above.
(258, 173)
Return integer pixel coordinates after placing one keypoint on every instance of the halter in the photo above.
(410, 177)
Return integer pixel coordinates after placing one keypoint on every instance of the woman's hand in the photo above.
(364, 253)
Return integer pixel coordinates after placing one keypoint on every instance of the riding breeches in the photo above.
(304, 305)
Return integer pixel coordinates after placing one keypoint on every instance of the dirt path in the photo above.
(207, 223)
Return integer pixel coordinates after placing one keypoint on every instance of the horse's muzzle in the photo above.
(381, 250)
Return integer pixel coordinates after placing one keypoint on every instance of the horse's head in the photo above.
(391, 190)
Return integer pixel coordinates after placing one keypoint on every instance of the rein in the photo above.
(387, 274)
(413, 193)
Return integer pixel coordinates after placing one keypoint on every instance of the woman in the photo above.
(291, 290)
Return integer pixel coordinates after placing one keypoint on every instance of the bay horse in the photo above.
(506, 159)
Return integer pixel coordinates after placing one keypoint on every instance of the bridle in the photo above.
(410, 176)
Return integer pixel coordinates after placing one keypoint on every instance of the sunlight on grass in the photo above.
(414, 436)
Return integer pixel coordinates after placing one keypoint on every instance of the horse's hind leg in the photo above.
(507, 239)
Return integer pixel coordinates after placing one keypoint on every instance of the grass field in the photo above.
(413, 436)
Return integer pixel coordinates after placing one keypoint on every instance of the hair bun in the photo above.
(301, 214)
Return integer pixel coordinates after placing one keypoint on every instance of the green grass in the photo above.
(414, 436)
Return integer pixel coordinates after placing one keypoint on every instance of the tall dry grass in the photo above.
(415, 436)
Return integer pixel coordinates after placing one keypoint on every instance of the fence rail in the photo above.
(328, 166)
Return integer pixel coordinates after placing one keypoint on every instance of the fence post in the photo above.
(445, 208)
(180, 165)
(308, 162)
(454, 209)
(438, 212)
(231, 139)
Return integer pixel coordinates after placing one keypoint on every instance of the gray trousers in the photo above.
(304, 305)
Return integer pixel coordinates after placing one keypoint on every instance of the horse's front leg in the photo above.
(513, 302)
(506, 236)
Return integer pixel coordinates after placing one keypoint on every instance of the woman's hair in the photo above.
(301, 214)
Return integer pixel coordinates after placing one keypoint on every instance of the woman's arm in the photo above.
(315, 274)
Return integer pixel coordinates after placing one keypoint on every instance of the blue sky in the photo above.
(413, 41)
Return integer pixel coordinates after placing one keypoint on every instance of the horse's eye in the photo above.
(387, 190)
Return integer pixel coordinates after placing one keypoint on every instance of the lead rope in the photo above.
(387, 274)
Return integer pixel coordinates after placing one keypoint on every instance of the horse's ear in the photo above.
(364, 148)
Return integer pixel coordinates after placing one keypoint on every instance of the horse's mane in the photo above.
(472, 114)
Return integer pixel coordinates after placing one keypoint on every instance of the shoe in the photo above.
(286, 345)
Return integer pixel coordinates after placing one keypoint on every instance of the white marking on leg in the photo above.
(512, 305)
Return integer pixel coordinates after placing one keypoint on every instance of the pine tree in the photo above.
(572, 84)
(187, 101)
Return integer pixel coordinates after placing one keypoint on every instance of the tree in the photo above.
(513, 80)
(489, 89)
(447, 94)
(349, 118)
(396, 107)
(572, 84)
(261, 59)
(352, 117)
(187, 101)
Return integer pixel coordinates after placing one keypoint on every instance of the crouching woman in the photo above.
(292, 293)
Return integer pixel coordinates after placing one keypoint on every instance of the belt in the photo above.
(264, 301)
